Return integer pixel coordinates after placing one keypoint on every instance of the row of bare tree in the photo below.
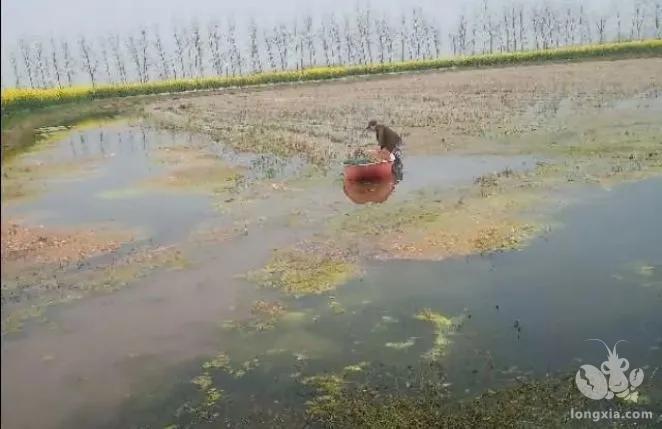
(363, 37)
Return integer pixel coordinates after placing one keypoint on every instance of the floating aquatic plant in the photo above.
(203, 381)
(221, 360)
(336, 307)
(356, 367)
(329, 384)
(402, 345)
(442, 327)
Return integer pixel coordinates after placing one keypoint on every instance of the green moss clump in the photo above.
(300, 273)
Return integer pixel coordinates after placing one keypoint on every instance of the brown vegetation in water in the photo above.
(37, 244)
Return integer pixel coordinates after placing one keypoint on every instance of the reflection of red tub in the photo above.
(373, 172)
(367, 192)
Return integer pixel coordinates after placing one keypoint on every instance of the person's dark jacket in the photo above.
(387, 138)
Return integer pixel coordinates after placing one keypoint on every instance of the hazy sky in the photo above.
(72, 18)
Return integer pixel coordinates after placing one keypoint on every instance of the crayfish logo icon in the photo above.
(610, 379)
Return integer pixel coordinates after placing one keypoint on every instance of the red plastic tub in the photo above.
(373, 172)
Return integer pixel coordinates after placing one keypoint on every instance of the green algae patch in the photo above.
(375, 220)
(402, 345)
(442, 326)
(136, 266)
(438, 225)
(211, 396)
(336, 307)
(264, 317)
(220, 361)
(207, 405)
(356, 367)
(327, 388)
(329, 384)
(303, 273)
(645, 269)
(203, 381)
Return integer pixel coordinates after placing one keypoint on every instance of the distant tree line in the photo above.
(362, 37)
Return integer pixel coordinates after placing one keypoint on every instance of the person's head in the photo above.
(371, 124)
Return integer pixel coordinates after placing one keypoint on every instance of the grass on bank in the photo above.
(15, 99)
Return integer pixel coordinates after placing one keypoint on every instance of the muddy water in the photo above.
(119, 157)
(98, 352)
(598, 276)
(127, 359)
(420, 172)
(588, 279)
(95, 354)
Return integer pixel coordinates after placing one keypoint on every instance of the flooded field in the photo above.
(158, 273)
(493, 321)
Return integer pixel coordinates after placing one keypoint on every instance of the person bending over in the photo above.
(386, 137)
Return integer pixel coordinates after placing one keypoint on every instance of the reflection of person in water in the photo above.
(391, 141)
